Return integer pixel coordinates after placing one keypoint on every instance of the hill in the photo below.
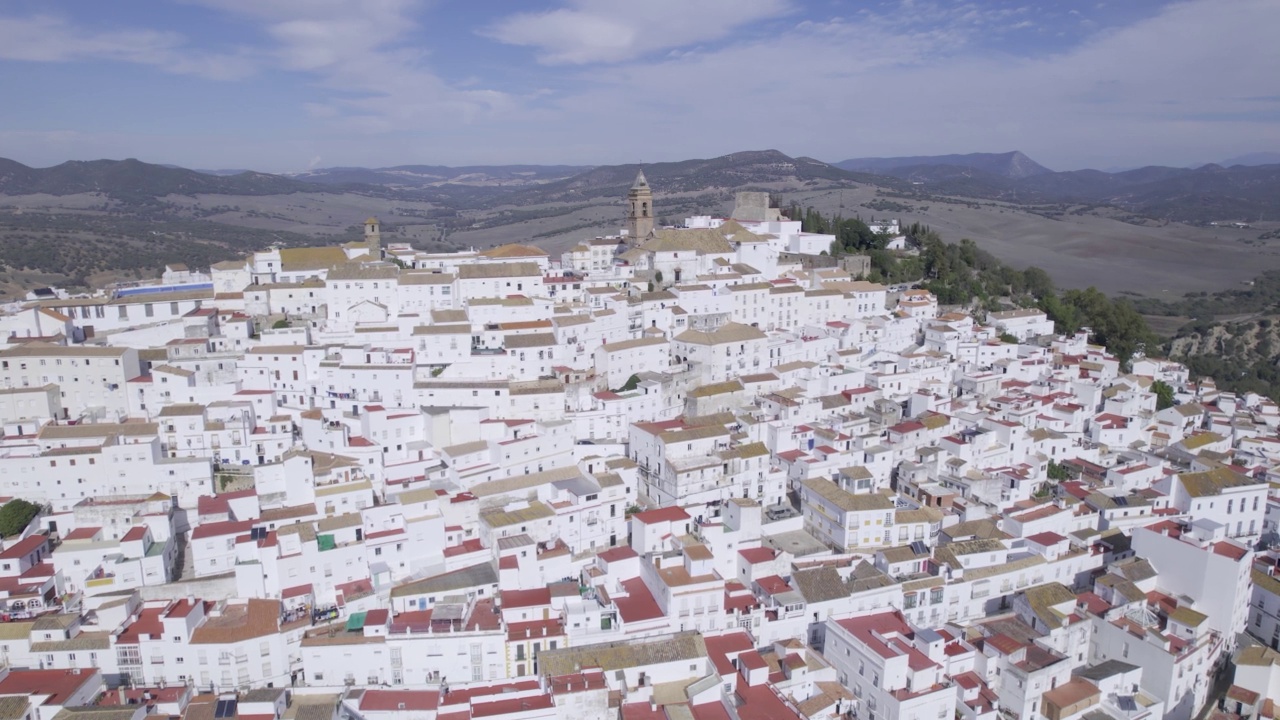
(1200, 195)
(427, 176)
(1008, 165)
(59, 225)
(132, 180)
(1258, 158)
(759, 169)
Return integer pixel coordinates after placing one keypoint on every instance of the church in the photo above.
(639, 210)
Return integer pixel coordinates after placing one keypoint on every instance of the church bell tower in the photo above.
(639, 209)
(373, 236)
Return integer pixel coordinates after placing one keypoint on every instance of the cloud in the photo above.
(362, 56)
(672, 79)
(591, 31)
(925, 81)
(50, 38)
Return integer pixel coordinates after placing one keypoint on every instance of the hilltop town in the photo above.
(678, 473)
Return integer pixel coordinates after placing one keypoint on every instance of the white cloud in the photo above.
(49, 38)
(902, 84)
(589, 31)
(670, 79)
(360, 53)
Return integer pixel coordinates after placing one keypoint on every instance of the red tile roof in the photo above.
(666, 514)
(408, 700)
(1046, 538)
(757, 555)
(1231, 550)
(221, 529)
(84, 533)
(59, 685)
(534, 629)
(723, 648)
(621, 552)
(135, 533)
(525, 598)
(1005, 644)
(23, 547)
(639, 604)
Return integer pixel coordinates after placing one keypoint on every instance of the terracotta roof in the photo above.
(253, 618)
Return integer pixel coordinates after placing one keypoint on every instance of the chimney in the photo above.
(120, 695)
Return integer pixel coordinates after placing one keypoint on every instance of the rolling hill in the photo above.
(133, 180)
(58, 224)
(759, 169)
(427, 176)
(1009, 165)
(1195, 195)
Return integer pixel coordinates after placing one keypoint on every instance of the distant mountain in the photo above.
(1258, 158)
(761, 169)
(1211, 192)
(133, 180)
(403, 177)
(220, 173)
(924, 167)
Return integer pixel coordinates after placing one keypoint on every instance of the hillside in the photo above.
(1241, 354)
(1201, 195)
(428, 176)
(1008, 165)
(132, 180)
(60, 225)
(761, 169)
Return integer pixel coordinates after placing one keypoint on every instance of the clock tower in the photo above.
(639, 210)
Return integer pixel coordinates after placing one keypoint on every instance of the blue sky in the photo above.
(283, 85)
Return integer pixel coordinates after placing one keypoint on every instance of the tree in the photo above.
(15, 515)
(1164, 394)
(1058, 472)
(1037, 282)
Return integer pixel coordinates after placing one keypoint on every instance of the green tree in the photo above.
(1164, 394)
(15, 515)
(1058, 472)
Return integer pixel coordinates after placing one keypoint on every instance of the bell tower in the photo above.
(373, 236)
(639, 209)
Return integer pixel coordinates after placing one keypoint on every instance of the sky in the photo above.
(288, 85)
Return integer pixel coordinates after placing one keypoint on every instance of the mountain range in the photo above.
(1241, 191)
(1207, 193)
(133, 180)
(1010, 164)
(425, 176)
